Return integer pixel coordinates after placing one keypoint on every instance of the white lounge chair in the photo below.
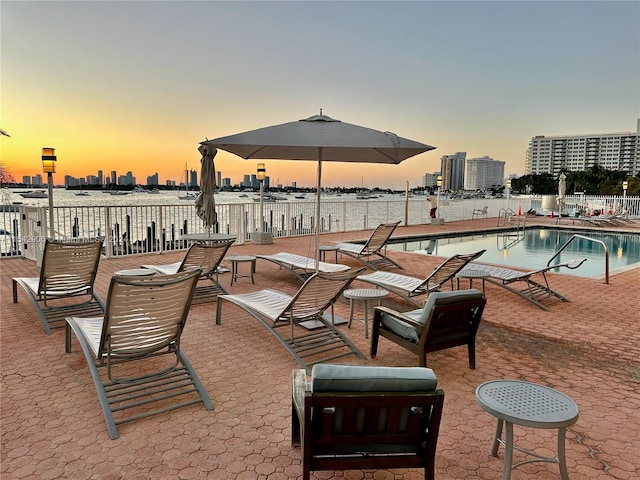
(373, 253)
(303, 267)
(538, 293)
(409, 287)
(276, 310)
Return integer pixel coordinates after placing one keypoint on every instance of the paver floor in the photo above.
(52, 425)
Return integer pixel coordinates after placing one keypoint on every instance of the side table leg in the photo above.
(366, 319)
(234, 271)
(508, 452)
(562, 461)
(253, 270)
(350, 312)
(496, 438)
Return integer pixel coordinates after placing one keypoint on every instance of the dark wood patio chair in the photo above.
(355, 417)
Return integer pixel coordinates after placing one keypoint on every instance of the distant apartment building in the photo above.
(93, 180)
(114, 177)
(452, 168)
(100, 178)
(36, 180)
(26, 179)
(193, 178)
(246, 182)
(153, 179)
(483, 172)
(218, 179)
(127, 179)
(613, 151)
(430, 180)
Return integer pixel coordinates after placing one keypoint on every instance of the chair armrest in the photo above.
(378, 311)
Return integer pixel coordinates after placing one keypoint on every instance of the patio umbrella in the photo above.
(562, 190)
(205, 203)
(321, 139)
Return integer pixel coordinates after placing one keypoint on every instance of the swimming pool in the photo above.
(532, 248)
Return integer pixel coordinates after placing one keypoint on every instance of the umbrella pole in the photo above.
(319, 180)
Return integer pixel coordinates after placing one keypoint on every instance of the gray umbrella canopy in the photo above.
(206, 203)
(322, 139)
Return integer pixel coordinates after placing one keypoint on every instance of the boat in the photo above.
(365, 196)
(300, 197)
(187, 194)
(34, 194)
(119, 192)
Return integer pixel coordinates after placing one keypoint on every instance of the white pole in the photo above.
(261, 206)
(51, 229)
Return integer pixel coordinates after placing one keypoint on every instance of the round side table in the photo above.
(235, 259)
(135, 272)
(515, 402)
(364, 295)
(328, 248)
(471, 274)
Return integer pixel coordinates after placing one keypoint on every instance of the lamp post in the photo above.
(261, 237)
(508, 192)
(438, 184)
(49, 167)
(625, 185)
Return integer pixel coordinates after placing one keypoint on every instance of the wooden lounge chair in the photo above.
(278, 312)
(448, 319)
(409, 287)
(207, 258)
(354, 417)
(538, 293)
(373, 252)
(138, 342)
(65, 285)
(303, 267)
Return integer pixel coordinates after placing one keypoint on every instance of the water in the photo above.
(533, 248)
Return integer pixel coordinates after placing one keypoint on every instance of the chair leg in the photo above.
(375, 333)
(472, 355)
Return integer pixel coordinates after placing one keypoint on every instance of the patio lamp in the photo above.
(625, 185)
(49, 167)
(262, 237)
(508, 192)
(438, 184)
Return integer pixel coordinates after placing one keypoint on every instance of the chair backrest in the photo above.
(379, 237)
(448, 269)
(451, 315)
(146, 314)
(69, 266)
(318, 292)
(381, 410)
(205, 257)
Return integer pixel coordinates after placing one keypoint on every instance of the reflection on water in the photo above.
(533, 248)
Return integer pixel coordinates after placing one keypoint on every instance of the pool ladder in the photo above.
(606, 253)
(508, 216)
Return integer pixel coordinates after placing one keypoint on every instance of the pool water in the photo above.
(533, 248)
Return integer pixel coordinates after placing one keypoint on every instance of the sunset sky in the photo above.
(137, 85)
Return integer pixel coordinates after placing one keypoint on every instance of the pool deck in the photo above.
(52, 425)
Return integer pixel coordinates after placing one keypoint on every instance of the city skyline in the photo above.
(137, 85)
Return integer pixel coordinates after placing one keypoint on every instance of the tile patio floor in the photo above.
(52, 425)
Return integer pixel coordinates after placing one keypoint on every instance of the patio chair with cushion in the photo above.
(134, 352)
(409, 287)
(66, 283)
(302, 267)
(448, 319)
(310, 334)
(353, 417)
(373, 253)
(207, 258)
(537, 292)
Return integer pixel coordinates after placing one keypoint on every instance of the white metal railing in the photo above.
(128, 230)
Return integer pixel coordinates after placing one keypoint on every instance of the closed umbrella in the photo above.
(321, 139)
(205, 203)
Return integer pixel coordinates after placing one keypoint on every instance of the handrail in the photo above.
(606, 253)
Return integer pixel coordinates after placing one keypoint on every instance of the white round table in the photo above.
(515, 402)
(135, 272)
(472, 274)
(235, 259)
(364, 295)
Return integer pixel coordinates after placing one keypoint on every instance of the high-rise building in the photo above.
(218, 178)
(26, 179)
(193, 178)
(153, 179)
(36, 180)
(452, 168)
(114, 177)
(613, 151)
(430, 180)
(246, 182)
(483, 172)
(100, 179)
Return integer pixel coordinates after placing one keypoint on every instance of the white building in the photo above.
(482, 173)
(452, 168)
(613, 151)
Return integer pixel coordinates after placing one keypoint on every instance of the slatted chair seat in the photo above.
(133, 351)
(279, 312)
(409, 287)
(302, 267)
(207, 258)
(66, 282)
(373, 253)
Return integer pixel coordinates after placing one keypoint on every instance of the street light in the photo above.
(508, 192)
(49, 167)
(261, 237)
(438, 184)
(625, 185)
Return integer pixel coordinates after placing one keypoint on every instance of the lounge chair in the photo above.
(65, 286)
(207, 258)
(144, 319)
(409, 287)
(303, 267)
(480, 212)
(538, 293)
(373, 253)
(353, 417)
(448, 319)
(278, 311)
